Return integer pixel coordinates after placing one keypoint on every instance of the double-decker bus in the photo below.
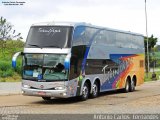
(62, 59)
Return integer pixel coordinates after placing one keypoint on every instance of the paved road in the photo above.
(146, 99)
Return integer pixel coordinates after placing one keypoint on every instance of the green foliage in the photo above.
(151, 43)
(6, 70)
(4, 65)
(11, 47)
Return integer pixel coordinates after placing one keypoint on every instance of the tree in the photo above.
(7, 33)
(151, 43)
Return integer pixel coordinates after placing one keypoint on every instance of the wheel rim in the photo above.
(132, 84)
(85, 92)
(95, 90)
(127, 86)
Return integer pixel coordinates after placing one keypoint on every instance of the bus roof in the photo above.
(75, 24)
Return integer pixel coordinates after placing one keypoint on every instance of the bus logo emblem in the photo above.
(41, 86)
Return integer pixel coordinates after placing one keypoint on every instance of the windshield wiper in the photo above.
(35, 45)
(52, 46)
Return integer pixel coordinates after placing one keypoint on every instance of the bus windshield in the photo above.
(49, 37)
(44, 67)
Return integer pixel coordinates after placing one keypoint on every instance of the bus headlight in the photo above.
(59, 88)
(26, 86)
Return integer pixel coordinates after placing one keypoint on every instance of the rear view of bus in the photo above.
(77, 59)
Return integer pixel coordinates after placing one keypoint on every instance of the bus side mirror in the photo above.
(14, 58)
(67, 62)
(67, 65)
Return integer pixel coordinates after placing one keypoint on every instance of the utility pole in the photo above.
(147, 38)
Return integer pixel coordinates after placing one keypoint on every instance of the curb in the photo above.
(10, 88)
(152, 81)
(9, 94)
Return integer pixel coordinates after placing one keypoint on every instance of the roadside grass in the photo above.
(15, 78)
(7, 73)
(149, 78)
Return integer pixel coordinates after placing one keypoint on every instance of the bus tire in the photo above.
(127, 86)
(85, 92)
(46, 98)
(95, 90)
(132, 86)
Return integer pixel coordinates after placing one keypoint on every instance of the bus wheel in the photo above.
(132, 86)
(46, 98)
(127, 86)
(85, 92)
(95, 90)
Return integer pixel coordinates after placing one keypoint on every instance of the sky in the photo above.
(128, 15)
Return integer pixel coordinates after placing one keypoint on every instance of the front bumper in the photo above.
(45, 93)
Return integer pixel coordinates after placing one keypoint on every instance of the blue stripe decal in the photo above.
(116, 57)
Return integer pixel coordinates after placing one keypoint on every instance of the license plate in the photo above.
(41, 93)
